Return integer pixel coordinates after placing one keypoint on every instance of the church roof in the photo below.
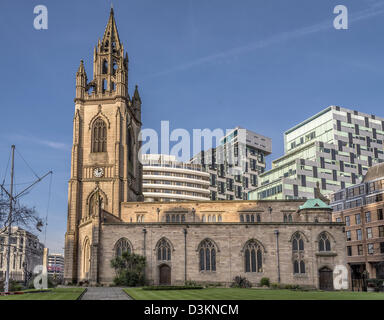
(374, 172)
(314, 204)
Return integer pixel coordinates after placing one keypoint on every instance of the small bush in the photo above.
(213, 285)
(275, 285)
(190, 283)
(15, 286)
(129, 270)
(241, 282)
(264, 282)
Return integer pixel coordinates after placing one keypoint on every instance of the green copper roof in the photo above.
(314, 204)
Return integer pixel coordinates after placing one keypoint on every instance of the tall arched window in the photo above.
(121, 246)
(285, 218)
(297, 242)
(298, 253)
(163, 250)
(289, 218)
(86, 257)
(253, 257)
(298, 266)
(99, 136)
(207, 255)
(324, 243)
(129, 144)
(105, 67)
(258, 218)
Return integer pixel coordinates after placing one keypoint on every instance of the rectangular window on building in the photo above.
(370, 248)
(359, 234)
(357, 218)
(381, 247)
(381, 231)
(349, 251)
(347, 221)
(368, 216)
(360, 250)
(369, 233)
(380, 214)
(338, 219)
(348, 234)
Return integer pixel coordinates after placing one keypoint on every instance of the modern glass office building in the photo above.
(334, 148)
(235, 164)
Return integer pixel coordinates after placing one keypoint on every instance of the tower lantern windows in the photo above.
(105, 67)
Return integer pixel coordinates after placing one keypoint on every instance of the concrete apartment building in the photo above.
(234, 166)
(361, 208)
(166, 179)
(55, 266)
(334, 148)
(26, 253)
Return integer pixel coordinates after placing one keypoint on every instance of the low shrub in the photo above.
(213, 285)
(241, 282)
(264, 282)
(15, 286)
(377, 284)
(190, 283)
(172, 287)
(275, 285)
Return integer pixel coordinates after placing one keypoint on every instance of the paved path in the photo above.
(105, 293)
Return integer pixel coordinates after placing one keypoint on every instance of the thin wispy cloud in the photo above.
(48, 143)
(375, 9)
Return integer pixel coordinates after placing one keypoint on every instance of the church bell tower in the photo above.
(105, 170)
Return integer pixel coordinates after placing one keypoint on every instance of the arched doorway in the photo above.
(164, 274)
(325, 279)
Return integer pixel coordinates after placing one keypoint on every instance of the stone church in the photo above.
(288, 241)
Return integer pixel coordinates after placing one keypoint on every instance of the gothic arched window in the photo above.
(129, 145)
(105, 67)
(99, 136)
(253, 257)
(163, 250)
(324, 243)
(298, 266)
(121, 246)
(86, 257)
(298, 253)
(207, 255)
(297, 242)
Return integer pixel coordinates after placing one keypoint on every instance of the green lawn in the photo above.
(53, 294)
(249, 294)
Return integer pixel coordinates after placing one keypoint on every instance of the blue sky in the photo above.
(264, 65)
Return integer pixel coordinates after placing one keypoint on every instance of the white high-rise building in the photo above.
(334, 149)
(166, 179)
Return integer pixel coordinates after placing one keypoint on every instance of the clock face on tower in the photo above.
(98, 172)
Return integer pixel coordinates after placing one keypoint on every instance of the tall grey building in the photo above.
(235, 164)
(334, 148)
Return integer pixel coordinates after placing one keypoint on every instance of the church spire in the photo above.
(111, 41)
